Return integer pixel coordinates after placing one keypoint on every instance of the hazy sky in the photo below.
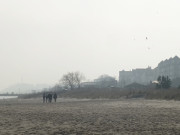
(40, 40)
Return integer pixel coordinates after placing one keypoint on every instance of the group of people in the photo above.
(47, 97)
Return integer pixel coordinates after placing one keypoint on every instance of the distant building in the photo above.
(170, 67)
(103, 81)
(88, 84)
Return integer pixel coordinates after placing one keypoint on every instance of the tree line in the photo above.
(163, 82)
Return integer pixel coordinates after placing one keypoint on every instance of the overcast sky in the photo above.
(40, 40)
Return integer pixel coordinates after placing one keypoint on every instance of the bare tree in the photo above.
(68, 80)
(79, 77)
(72, 79)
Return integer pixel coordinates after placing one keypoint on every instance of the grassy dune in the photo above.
(114, 93)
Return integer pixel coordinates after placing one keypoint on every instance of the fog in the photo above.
(40, 40)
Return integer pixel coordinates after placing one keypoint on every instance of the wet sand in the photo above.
(89, 117)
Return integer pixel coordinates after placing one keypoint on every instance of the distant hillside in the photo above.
(22, 88)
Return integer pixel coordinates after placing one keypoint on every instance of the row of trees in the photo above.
(163, 82)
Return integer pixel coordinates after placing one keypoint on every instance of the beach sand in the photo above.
(89, 117)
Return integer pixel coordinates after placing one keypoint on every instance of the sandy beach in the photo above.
(89, 117)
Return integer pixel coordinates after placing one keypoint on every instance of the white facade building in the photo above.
(170, 67)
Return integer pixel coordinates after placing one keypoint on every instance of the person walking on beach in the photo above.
(55, 97)
(50, 97)
(44, 97)
(47, 97)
